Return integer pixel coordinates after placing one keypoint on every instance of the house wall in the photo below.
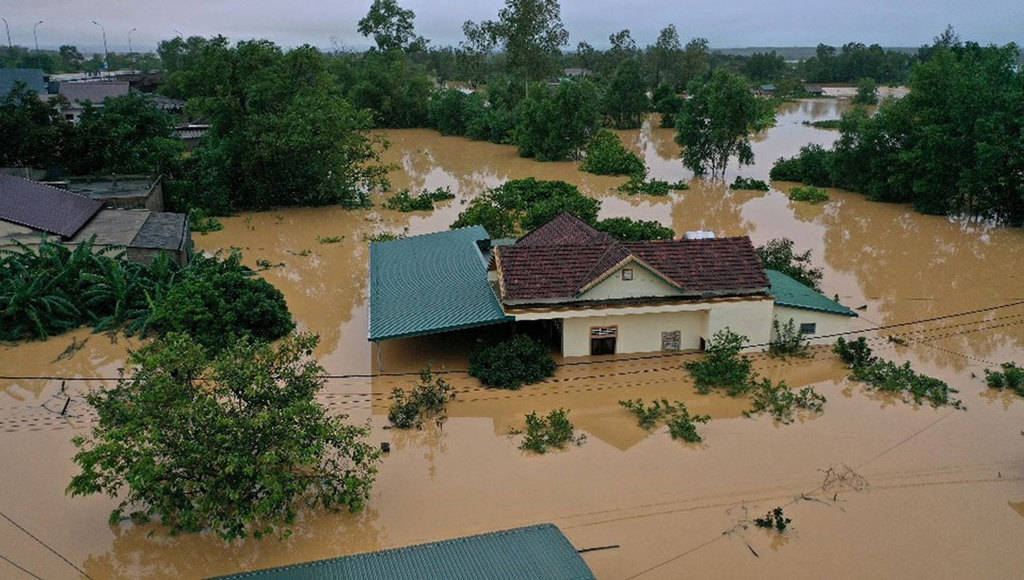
(750, 318)
(827, 323)
(636, 332)
(643, 284)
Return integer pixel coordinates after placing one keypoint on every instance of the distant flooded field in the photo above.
(938, 493)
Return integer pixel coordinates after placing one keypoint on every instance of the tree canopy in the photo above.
(531, 33)
(391, 26)
(715, 124)
(235, 444)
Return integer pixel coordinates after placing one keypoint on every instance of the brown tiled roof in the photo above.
(564, 229)
(720, 266)
(45, 208)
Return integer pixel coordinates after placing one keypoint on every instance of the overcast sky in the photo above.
(725, 23)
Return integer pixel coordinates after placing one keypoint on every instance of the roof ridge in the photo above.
(592, 275)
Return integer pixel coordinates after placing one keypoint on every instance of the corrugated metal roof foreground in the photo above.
(789, 292)
(45, 208)
(528, 553)
(430, 283)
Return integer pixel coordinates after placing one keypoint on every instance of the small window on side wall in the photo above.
(808, 328)
(627, 273)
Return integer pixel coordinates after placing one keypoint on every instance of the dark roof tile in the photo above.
(45, 208)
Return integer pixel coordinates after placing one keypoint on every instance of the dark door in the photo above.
(602, 340)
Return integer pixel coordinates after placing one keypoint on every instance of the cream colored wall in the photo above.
(750, 318)
(636, 332)
(827, 323)
(643, 285)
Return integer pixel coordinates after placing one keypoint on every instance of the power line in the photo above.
(45, 545)
(12, 563)
(584, 362)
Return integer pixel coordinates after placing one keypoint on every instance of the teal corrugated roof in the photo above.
(430, 283)
(528, 553)
(789, 292)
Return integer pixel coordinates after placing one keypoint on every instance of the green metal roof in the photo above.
(528, 553)
(430, 283)
(789, 292)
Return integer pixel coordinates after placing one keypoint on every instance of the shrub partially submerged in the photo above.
(511, 364)
(681, 425)
(723, 368)
(521, 205)
(774, 519)
(405, 202)
(887, 376)
(553, 431)
(606, 155)
(808, 193)
(1011, 377)
(427, 399)
(781, 402)
(749, 183)
(787, 341)
(639, 185)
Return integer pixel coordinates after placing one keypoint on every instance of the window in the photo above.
(670, 340)
(808, 328)
(627, 273)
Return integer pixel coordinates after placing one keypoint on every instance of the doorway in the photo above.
(602, 339)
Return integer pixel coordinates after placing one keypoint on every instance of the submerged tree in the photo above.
(715, 122)
(235, 445)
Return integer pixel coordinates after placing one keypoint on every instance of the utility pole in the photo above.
(106, 61)
(131, 54)
(10, 47)
(35, 36)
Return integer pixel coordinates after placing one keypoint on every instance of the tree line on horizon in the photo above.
(296, 126)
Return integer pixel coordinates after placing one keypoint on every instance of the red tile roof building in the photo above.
(565, 257)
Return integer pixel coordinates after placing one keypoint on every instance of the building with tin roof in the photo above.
(596, 294)
(526, 553)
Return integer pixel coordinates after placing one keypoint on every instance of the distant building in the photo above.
(574, 73)
(167, 104)
(122, 192)
(766, 90)
(33, 78)
(191, 133)
(78, 94)
(31, 212)
(814, 90)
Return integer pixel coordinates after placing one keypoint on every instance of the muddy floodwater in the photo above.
(875, 487)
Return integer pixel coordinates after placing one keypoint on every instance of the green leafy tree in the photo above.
(715, 124)
(630, 230)
(234, 445)
(867, 92)
(33, 131)
(531, 33)
(128, 134)
(696, 62)
(556, 125)
(667, 57)
(668, 104)
(723, 367)
(622, 48)
(391, 26)
(281, 133)
(70, 58)
(625, 100)
(778, 254)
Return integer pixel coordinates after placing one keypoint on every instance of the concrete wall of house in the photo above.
(644, 284)
(825, 322)
(636, 332)
(750, 318)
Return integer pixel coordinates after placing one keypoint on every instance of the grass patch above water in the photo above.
(638, 185)
(554, 431)
(889, 377)
(405, 202)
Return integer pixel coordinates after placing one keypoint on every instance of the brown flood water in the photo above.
(939, 494)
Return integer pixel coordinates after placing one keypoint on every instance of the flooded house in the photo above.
(596, 295)
(31, 212)
(77, 94)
